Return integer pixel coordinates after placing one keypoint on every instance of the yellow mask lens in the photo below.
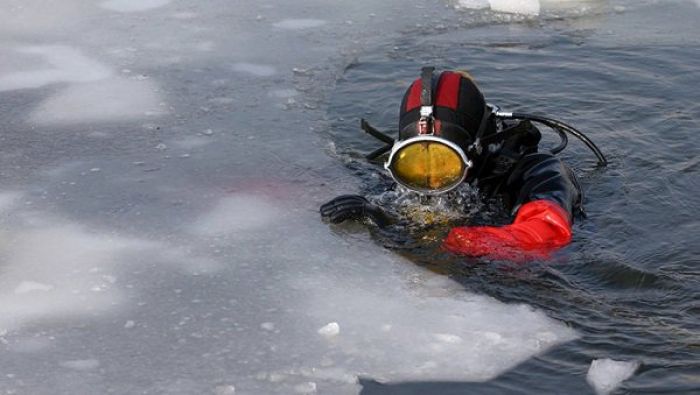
(428, 165)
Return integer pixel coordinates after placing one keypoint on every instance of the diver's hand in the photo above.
(354, 207)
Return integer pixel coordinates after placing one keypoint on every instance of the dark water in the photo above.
(629, 281)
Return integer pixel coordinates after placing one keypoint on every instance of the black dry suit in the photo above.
(504, 157)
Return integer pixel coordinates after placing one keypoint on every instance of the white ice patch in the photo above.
(94, 94)
(285, 93)
(605, 375)
(29, 344)
(188, 262)
(191, 142)
(51, 269)
(525, 7)
(81, 364)
(528, 7)
(236, 214)
(473, 4)
(32, 286)
(61, 64)
(330, 330)
(259, 70)
(41, 15)
(7, 200)
(133, 5)
(298, 24)
(430, 330)
(225, 390)
(204, 46)
(68, 267)
(308, 387)
(111, 99)
(185, 15)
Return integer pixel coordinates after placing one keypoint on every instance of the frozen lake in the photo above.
(162, 165)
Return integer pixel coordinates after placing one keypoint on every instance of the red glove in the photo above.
(540, 227)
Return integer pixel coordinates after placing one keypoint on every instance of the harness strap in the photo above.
(426, 92)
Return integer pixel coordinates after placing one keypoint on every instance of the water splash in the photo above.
(428, 210)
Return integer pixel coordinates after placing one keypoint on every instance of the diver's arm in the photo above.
(544, 192)
(354, 207)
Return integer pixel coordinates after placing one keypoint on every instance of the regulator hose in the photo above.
(560, 127)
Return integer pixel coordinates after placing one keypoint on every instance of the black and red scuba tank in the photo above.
(459, 108)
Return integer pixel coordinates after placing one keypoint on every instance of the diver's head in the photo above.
(442, 117)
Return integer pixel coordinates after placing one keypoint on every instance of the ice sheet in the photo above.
(390, 320)
(428, 330)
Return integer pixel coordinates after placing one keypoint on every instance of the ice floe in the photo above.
(605, 375)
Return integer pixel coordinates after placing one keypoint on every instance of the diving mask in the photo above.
(427, 163)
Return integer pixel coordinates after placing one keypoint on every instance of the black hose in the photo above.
(375, 133)
(564, 141)
(560, 127)
(379, 152)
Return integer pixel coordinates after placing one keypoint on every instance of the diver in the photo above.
(449, 135)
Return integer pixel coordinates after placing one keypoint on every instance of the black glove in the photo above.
(353, 207)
